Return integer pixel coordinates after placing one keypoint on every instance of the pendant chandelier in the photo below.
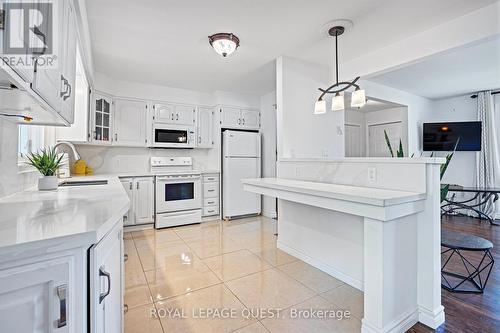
(358, 98)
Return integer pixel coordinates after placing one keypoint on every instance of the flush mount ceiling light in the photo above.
(224, 43)
(358, 98)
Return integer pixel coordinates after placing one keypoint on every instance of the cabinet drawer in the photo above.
(209, 202)
(208, 211)
(210, 178)
(211, 190)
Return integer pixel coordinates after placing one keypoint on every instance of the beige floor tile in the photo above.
(233, 265)
(179, 275)
(132, 262)
(217, 297)
(273, 255)
(297, 319)
(312, 277)
(269, 289)
(157, 239)
(143, 233)
(141, 320)
(253, 328)
(153, 258)
(128, 245)
(348, 298)
(207, 230)
(214, 247)
(136, 289)
(127, 235)
(254, 239)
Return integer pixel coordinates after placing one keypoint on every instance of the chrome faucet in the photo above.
(70, 145)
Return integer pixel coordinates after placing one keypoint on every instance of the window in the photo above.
(31, 139)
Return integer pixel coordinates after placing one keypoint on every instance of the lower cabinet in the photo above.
(211, 194)
(106, 283)
(140, 191)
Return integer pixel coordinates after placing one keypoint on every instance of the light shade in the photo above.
(320, 107)
(358, 98)
(338, 102)
(224, 43)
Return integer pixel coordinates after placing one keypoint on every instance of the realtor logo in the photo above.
(28, 28)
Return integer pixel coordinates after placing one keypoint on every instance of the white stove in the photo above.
(178, 191)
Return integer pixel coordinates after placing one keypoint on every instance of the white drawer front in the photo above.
(210, 178)
(211, 190)
(208, 211)
(209, 202)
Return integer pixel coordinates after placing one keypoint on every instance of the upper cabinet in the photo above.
(205, 128)
(130, 123)
(236, 118)
(174, 114)
(55, 84)
(101, 118)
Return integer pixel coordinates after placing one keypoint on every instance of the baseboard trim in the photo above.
(430, 318)
(321, 266)
(403, 324)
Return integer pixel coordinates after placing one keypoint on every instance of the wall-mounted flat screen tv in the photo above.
(443, 136)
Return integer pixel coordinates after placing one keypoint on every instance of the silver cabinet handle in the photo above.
(125, 257)
(239, 121)
(210, 178)
(172, 116)
(211, 190)
(199, 139)
(62, 292)
(211, 211)
(103, 295)
(177, 117)
(137, 185)
(211, 202)
(130, 184)
(116, 136)
(69, 91)
(243, 121)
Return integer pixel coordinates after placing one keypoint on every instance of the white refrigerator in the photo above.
(240, 159)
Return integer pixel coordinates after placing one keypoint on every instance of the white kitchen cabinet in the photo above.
(130, 123)
(36, 297)
(101, 118)
(211, 202)
(174, 114)
(205, 128)
(236, 118)
(68, 74)
(140, 191)
(106, 283)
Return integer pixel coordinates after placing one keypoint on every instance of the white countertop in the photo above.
(85, 212)
(366, 195)
(403, 160)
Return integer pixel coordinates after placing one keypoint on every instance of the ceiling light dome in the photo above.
(224, 43)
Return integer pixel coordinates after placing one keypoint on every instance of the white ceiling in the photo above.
(462, 71)
(165, 41)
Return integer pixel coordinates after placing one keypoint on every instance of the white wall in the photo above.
(301, 134)
(268, 131)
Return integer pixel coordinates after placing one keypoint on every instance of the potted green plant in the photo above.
(46, 161)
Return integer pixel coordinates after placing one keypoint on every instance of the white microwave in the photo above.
(173, 136)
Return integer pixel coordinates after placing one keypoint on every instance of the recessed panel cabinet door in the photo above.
(128, 185)
(164, 113)
(39, 298)
(250, 119)
(205, 128)
(184, 114)
(130, 123)
(144, 200)
(230, 117)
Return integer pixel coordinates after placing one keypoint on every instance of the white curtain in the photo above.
(488, 159)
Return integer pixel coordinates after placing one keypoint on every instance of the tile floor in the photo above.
(175, 277)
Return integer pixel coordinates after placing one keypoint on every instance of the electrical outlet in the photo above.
(372, 174)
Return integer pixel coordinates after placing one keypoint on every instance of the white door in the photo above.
(47, 81)
(353, 141)
(106, 269)
(230, 117)
(68, 63)
(242, 144)
(38, 298)
(250, 119)
(377, 146)
(164, 113)
(130, 123)
(144, 200)
(205, 128)
(236, 201)
(101, 118)
(128, 185)
(184, 114)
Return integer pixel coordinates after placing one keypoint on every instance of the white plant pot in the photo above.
(47, 183)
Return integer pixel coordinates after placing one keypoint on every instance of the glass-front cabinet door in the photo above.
(101, 108)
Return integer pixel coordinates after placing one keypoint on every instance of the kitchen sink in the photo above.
(83, 182)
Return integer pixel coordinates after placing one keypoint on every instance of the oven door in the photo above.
(173, 137)
(178, 193)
